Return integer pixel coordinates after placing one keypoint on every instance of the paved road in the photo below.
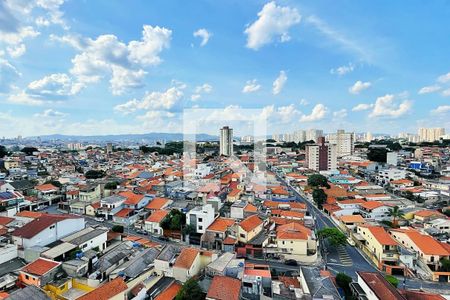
(339, 262)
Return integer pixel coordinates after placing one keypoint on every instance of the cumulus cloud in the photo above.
(362, 106)
(342, 70)
(14, 40)
(204, 34)
(124, 63)
(8, 75)
(429, 89)
(303, 102)
(386, 106)
(279, 83)
(273, 22)
(340, 114)
(318, 113)
(54, 86)
(251, 86)
(443, 109)
(153, 101)
(50, 113)
(358, 87)
(444, 78)
(200, 90)
(446, 93)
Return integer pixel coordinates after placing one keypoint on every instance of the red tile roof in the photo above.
(293, 231)
(221, 224)
(426, 243)
(382, 236)
(250, 223)
(419, 295)
(123, 213)
(224, 288)
(186, 258)
(106, 291)
(46, 187)
(169, 293)
(157, 216)
(157, 203)
(132, 198)
(32, 228)
(370, 205)
(379, 285)
(29, 214)
(40, 266)
(5, 220)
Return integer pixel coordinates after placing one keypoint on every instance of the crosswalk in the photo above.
(344, 257)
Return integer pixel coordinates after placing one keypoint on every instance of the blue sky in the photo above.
(105, 67)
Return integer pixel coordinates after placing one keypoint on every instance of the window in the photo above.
(200, 219)
(27, 277)
(242, 235)
(53, 226)
(200, 227)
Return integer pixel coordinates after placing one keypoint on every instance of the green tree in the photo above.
(112, 185)
(117, 228)
(392, 280)
(377, 154)
(445, 265)
(94, 174)
(343, 281)
(174, 220)
(333, 235)
(29, 150)
(319, 197)
(190, 290)
(396, 214)
(3, 151)
(317, 180)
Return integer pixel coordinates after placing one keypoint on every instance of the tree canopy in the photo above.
(174, 220)
(3, 151)
(29, 150)
(319, 197)
(377, 155)
(333, 235)
(317, 180)
(94, 174)
(190, 290)
(112, 185)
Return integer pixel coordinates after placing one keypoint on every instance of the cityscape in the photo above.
(155, 150)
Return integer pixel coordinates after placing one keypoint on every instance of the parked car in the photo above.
(163, 238)
(291, 262)
(351, 241)
(99, 219)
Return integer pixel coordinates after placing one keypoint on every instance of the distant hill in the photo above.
(153, 136)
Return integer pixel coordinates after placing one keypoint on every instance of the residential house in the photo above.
(164, 261)
(90, 193)
(242, 209)
(39, 272)
(134, 201)
(373, 286)
(375, 210)
(126, 217)
(152, 223)
(88, 238)
(158, 203)
(425, 215)
(256, 281)
(381, 248)
(190, 262)
(224, 288)
(217, 233)
(249, 228)
(47, 229)
(110, 205)
(295, 241)
(429, 251)
(111, 290)
(200, 217)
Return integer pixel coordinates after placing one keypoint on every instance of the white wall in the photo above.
(8, 252)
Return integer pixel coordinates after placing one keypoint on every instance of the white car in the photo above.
(351, 241)
(98, 219)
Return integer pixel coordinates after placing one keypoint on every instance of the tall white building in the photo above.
(313, 134)
(321, 156)
(369, 137)
(430, 134)
(299, 136)
(226, 141)
(344, 141)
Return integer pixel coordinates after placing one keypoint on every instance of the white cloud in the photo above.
(386, 106)
(303, 102)
(15, 40)
(318, 113)
(251, 86)
(54, 14)
(362, 106)
(443, 109)
(287, 113)
(446, 93)
(279, 83)
(204, 34)
(8, 75)
(444, 78)
(54, 86)
(358, 87)
(200, 90)
(153, 101)
(342, 70)
(273, 22)
(125, 63)
(429, 89)
(340, 114)
(50, 113)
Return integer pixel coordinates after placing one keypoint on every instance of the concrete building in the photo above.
(313, 134)
(200, 217)
(344, 141)
(321, 156)
(430, 134)
(226, 141)
(392, 158)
